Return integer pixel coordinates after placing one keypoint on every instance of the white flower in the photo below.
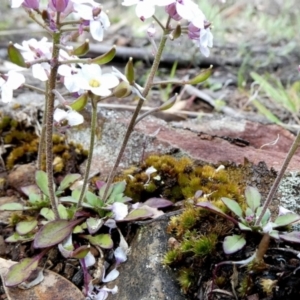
(120, 255)
(72, 116)
(205, 41)
(145, 9)
(16, 3)
(32, 50)
(14, 81)
(120, 210)
(90, 78)
(99, 21)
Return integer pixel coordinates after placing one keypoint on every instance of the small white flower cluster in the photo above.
(198, 29)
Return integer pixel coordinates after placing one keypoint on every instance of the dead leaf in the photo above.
(52, 287)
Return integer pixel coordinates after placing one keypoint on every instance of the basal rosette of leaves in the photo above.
(92, 225)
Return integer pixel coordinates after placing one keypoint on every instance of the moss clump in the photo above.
(178, 179)
(22, 147)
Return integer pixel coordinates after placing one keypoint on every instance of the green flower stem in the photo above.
(279, 177)
(70, 23)
(137, 111)
(50, 97)
(91, 149)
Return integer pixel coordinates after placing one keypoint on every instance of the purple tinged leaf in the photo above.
(293, 236)
(233, 206)
(158, 202)
(24, 227)
(285, 220)
(81, 252)
(54, 232)
(103, 240)
(137, 214)
(252, 197)
(21, 271)
(233, 243)
(209, 206)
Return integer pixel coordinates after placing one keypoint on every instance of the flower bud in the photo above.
(176, 33)
(172, 11)
(33, 4)
(59, 5)
(202, 76)
(80, 103)
(105, 58)
(122, 90)
(82, 49)
(15, 55)
(129, 71)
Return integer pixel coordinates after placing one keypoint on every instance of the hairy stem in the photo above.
(91, 149)
(279, 177)
(43, 135)
(49, 121)
(137, 111)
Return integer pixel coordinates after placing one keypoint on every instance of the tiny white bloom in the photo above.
(72, 116)
(16, 3)
(90, 77)
(205, 41)
(112, 275)
(120, 210)
(120, 255)
(89, 259)
(14, 81)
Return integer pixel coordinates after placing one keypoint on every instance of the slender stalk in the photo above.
(137, 111)
(91, 149)
(43, 134)
(279, 177)
(49, 121)
(34, 88)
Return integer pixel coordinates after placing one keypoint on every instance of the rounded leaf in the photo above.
(233, 243)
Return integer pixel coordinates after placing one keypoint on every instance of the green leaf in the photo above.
(14, 238)
(15, 56)
(47, 213)
(68, 181)
(42, 181)
(233, 243)
(81, 252)
(139, 213)
(93, 199)
(286, 219)
(244, 227)
(94, 224)
(12, 206)
(54, 232)
(266, 112)
(21, 271)
(266, 217)
(63, 212)
(103, 240)
(252, 197)
(24, 227)
(233, 206)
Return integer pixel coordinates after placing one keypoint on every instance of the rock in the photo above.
(142, 276)
(22, 175)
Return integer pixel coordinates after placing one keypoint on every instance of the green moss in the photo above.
(23, 147)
